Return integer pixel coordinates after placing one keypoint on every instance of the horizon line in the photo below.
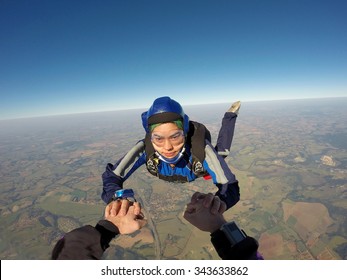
(184, 105)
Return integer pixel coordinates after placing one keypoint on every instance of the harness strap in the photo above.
(173, 178)
(198, 133)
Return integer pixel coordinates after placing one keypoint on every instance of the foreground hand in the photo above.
(122, 206)
(125, 215)
(201, 216)
(213, 202)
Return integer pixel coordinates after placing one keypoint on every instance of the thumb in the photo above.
(107, 211)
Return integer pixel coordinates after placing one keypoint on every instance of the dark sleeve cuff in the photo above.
(107, 225)
(232, 194)
(108, 231)
(244, 250)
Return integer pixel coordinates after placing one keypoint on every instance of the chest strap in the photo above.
(173, 178)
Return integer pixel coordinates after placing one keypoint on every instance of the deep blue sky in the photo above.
(66, 56)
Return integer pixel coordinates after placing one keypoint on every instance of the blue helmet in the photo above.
(164, 109)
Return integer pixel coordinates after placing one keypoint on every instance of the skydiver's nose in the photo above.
(167, 145)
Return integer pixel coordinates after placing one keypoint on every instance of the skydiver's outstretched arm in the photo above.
(111, 183)
(222, 176)
(116, 174)
(226, 132)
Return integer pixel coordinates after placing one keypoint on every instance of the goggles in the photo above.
(175, 139)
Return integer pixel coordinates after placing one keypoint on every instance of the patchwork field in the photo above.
(291, 170)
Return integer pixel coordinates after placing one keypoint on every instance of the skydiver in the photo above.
(176, 149)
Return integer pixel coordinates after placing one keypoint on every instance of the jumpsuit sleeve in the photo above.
(85, 243)
(247, 249)
(116, 174)
(222, 176)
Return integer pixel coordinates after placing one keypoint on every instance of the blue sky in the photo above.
(62, 57)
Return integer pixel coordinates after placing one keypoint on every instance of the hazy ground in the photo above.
(290, 158)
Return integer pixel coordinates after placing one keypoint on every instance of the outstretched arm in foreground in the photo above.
(88, 242)
(200, 213)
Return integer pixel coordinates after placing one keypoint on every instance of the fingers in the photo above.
(208, 200)
(218, 206)
(113, 208)
(215, 205)
(197, 196)
(195, 203)
(211, 201)
(137, 208)
(129, 222)
(223, 207)
(190, 208)
(140, 220)
(120, 207)
(133, 216)
(140, 216)
(194, 197)
(195, 208)
(124, 207)
(189, 212)
(107, 211)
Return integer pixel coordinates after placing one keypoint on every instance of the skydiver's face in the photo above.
(168, 139)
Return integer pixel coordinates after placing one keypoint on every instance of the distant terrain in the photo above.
(290, 158)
